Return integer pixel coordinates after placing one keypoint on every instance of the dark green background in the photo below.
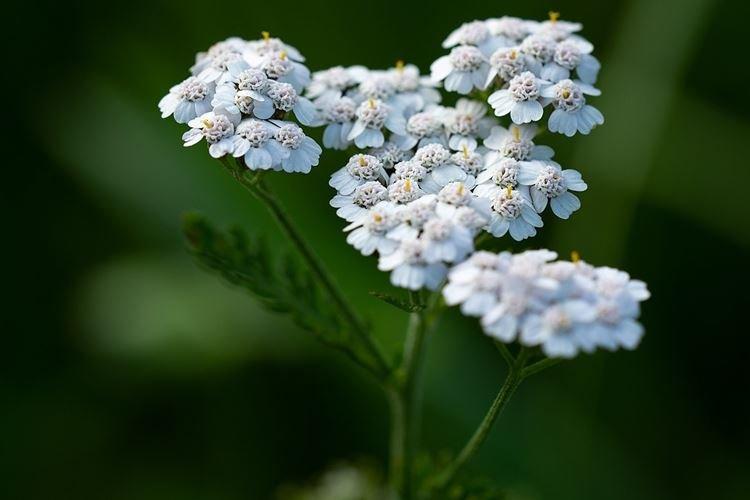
(128, 373)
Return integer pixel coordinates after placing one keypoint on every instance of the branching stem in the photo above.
(517, 372)
(256, 186)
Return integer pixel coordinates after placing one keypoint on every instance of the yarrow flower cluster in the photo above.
(361, 107)
(427, 178)
(417, 152)
(239, 97)
(532, 64)
(420, 216)
(564, 307)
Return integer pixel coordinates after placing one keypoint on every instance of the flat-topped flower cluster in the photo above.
(564, 307)
(238, 98)
(532, 64)
(416, 148)
(426, 179)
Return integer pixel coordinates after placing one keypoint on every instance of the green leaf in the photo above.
(403, 304)
(277, 280)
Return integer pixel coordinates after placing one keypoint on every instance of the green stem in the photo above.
(512, 381)
(397, 445)
(406, 400)
(539, 366)
(505, 353)
(255, 185)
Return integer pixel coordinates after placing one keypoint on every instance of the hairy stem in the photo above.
(255, 185)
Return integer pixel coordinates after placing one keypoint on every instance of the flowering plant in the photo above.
(426, 187)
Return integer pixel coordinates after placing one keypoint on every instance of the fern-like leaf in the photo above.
(278, 281)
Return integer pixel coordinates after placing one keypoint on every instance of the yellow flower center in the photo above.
(553, 16)
(266, 35)
(575, 256)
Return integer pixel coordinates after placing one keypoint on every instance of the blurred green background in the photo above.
(131, 374)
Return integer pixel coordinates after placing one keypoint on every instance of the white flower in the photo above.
(340, 113)
(447, 174)
(257, 50)
(246, 78)
(513, 212)
(571, 113)
(205, 59)
(523, 291)
(556, 29)
(356, 205)
(540, 47)
(513, 29)
(446, 241)
(497, 176)
(331, 83)
(549, 182)
(278, 66)
(475, 33)
(298, 152)
(214, 65)
(463, 69)
(390, 153)
(187, 100)
(471, 162)
(369, 233)
(409, 269)
(404, 190)
(250, 141)
(409, 169)
(285, 98)
(359, 169)
(413, 216)
(521, 99)
(422, 128)
(465, 122)
(516, 142)
(235, 101)
(377, 85)
(564, 307)
(475, 284)
(372, 116)
(571, 54)
(216, 128)
(437, 161)
(559, 328)
(432, 156)
(509, 62)
(616, 298)
(456, 196)
(413, 92)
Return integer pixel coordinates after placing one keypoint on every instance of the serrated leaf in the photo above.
(277, 280)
